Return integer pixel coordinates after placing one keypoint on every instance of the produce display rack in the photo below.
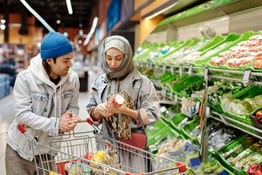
(247, 77)
(224, 119)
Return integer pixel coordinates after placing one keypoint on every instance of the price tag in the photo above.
(164, 68)
(246, 77)
(175, 98)
(172, 70)
(206, 74)
(207, 111)
(190, 69)
(163, 92)
(171, 95)
(180, 71)
(148, 65)
(140, 64)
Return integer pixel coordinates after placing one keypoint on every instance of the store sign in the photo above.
(113, 14)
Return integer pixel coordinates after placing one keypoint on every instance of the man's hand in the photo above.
(68, 122)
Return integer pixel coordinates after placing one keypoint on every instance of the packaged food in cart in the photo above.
(83, 153)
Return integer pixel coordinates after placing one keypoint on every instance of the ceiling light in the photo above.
(69, 7)
(2, 27)
(81, 32)
(3, 21)
(37, 15)
(58, 21)
(92, 30)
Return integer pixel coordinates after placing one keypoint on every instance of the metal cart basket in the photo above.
(85, 153)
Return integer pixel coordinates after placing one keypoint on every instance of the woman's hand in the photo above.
(117, 108)
(103, 110)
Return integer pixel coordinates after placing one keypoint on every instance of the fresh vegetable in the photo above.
(254, 169)
(259, 116)
(89, 156)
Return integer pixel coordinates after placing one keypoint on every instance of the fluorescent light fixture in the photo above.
(79, 41)
(92, 30)
(81, 32)
(37, 15)
(66, 34)
(58, 21)
(3, 21)
(2, 26)
(160, 11)
(69, 7)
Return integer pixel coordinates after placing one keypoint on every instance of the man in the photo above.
(46, 100)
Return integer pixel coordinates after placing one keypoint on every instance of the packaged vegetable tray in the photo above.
(245, 36)
(231, 150)
(192, 130)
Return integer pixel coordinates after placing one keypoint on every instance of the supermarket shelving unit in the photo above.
(248, 78)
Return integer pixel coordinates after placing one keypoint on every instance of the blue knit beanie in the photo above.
(55, 44)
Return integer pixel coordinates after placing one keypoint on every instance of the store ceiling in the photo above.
(52, 10)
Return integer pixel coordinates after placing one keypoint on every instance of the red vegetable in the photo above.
(259, 116)
(255, 169)
(259, 172)
(89, 156)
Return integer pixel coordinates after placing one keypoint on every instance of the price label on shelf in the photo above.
(140, 64)
(206, 74)
(180, 71)
(148, 65)
(175, 98)
(172, 70)
(190, 69)
(163, 92)
(246, 77)
(164, 68)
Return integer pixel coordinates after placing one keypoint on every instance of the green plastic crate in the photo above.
(187, 129)
(161, 135)
(159, 125)
(243, 140)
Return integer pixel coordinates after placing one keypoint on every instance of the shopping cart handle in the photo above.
(21, 128)
(88, 120)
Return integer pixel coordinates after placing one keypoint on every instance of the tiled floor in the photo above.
(7, 115)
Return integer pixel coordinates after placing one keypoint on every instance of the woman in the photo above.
(121, 77)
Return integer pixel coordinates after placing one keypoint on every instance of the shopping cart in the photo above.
(82, 153)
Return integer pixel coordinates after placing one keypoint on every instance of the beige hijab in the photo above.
(123, 45)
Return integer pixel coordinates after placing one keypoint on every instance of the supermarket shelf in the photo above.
(247, 76)
(210, 12)
(168, 98)
(224, 119)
